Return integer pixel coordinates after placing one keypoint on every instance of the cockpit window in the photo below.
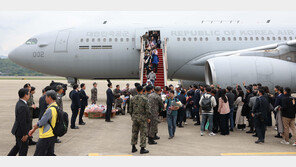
(32, 41)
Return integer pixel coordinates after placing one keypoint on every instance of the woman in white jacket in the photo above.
(240, 120)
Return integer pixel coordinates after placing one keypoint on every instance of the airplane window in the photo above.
(268, 38)
(121, 39)
(99, 39)
(115, 39)
(279, 38)
(87, 40)
(81, 40)
(32, 41)
(234, 38)
(167, 39)
(218, 39)
(240, 38)
(273, 38)
(178, 39)
(262, 38)
(290, 38)
(110, 39)
(189, 39)
(184, 39)
(127, 39)
(195, 39)
(200, 38)
(251, 38)
(206, 38)
(104, 39)
(257, 38)
(223, 38)
(229, 39)
(285, 38)
(133, 39)
(246, 38)
(93, 40)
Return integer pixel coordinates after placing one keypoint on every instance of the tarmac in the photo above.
(100, 138)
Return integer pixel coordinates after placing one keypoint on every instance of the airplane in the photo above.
(224, 52)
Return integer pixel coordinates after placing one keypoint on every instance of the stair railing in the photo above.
(165, 62)
(141, 65)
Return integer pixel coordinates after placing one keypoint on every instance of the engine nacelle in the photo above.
(232, 70)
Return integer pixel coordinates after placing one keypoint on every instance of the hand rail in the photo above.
(141, 65)
(165, 62)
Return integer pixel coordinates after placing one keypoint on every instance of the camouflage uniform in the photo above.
(59, 101)
(139, 110)
(30, 102)
(94, 94)
(155, 105)
(133, 92)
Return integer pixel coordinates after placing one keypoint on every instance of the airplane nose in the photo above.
(12, 55)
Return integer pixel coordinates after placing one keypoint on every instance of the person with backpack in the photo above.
(47, 138)
(207, 103)
(288, 115)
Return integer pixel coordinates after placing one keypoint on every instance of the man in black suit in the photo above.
(83, 100)
(110, 102)
(75, 106)
(20, 128)
(260, 111)
(196, 98)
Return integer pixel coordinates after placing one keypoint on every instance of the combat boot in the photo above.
(134, 149)
(143, 151)
(151, 141)
(156, 137)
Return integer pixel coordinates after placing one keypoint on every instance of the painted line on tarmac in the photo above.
(97, 154)
(263, 153)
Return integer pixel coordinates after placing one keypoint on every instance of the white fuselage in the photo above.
(113, 52)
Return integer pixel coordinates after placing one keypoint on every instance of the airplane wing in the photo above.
(272, 50)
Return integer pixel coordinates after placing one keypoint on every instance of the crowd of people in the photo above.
(152, 42)
(214, 109)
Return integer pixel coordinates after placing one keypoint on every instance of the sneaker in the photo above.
(284, 142)
(201, 133)
(212, 134)
(185, 123)
(294, 144)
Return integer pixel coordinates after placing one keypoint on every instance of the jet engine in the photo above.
(232, 70)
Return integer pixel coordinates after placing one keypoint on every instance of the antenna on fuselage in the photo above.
(105, 22)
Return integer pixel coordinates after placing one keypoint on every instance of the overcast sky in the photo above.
(18, 26)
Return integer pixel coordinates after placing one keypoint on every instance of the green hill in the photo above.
(8, 68)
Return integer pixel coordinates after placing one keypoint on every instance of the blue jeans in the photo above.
(205, 118)
(196, 113)
(231, 118)
(172, 119)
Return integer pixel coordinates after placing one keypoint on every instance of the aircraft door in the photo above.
(139, 34)
(61, 43)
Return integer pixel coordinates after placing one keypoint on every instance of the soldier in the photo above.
(155, 105)
(32, 106)
(94, 93)
(59, 100)
(117, 91)
(139, 110)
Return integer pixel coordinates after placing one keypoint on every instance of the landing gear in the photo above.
(72, 81)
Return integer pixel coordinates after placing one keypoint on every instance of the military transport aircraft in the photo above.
(224, 52)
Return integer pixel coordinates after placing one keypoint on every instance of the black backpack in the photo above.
(206, 104)
(62, 123)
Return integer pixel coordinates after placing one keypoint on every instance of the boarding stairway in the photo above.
(161, 75)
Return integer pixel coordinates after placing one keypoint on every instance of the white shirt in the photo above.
(23, 101)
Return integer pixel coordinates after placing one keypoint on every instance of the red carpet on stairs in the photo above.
(160, 71)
